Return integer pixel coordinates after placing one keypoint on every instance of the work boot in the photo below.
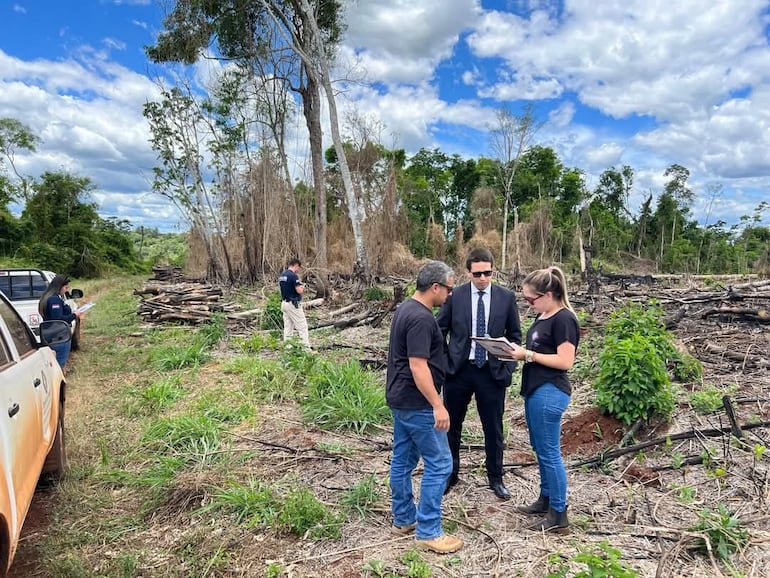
(538, 507)
(444, 544)
(554, 521)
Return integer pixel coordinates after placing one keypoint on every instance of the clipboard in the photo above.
(497, 346)
(86, 307)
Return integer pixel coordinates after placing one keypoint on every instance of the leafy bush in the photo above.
(633, 381)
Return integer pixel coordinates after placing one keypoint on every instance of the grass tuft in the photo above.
(345, 397)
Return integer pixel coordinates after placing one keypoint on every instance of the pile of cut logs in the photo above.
(172, 298)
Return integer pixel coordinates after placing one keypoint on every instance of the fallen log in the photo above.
(708, 433)
(750, 314)
(742, 358)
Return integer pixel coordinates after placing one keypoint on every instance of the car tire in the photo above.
(56, 460)
(75, 343)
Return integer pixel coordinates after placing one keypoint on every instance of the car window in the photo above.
(5, 357)
(30, 285)
(18, 329)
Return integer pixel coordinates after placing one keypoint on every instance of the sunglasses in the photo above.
(478, 274)
(449, 288)
(531, 300)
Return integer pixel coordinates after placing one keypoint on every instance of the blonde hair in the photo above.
(550, 279)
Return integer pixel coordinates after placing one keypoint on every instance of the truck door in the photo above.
(22, 401)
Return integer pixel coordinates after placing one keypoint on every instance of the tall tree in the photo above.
(510, 138)
(614, 189)
(248, 32)
(14, 136)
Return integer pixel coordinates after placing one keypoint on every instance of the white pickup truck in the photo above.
(32, 396)
(24, 287)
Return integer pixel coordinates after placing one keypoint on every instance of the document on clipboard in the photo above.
(86, 307)
(497, 346)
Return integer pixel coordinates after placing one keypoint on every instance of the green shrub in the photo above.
(633, 380)
(687, 368)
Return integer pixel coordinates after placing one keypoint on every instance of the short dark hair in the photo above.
(479, 255)
(294, 261)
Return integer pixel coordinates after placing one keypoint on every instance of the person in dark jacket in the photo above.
(478, 308)
(53, 307)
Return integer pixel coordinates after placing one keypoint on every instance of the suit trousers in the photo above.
(472, 381)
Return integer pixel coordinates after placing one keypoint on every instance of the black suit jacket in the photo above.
(456, 321)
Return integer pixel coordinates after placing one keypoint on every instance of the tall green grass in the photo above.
(344, 396)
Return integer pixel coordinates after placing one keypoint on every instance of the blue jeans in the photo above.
(543, 410)
(413, 437)
(62, 351)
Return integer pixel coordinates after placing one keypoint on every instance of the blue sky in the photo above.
(644, 83)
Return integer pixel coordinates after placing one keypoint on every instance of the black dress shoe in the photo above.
(500, 490)
(451, 482)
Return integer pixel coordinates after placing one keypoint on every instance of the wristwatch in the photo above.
(528, 355)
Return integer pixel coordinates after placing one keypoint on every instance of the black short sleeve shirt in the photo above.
(545, 336)
(413, 333)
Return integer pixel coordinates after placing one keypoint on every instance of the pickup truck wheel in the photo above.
(75, 343)
(56, 460)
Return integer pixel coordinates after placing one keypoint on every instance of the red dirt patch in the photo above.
(589, 432)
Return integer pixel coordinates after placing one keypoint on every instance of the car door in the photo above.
(25, 399)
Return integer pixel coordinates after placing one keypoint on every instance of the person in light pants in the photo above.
(292, 288)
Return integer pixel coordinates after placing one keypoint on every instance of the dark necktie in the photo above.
(481, 330)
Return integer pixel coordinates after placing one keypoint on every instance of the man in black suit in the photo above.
(478, 308)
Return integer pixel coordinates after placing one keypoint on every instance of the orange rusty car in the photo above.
(32, 391)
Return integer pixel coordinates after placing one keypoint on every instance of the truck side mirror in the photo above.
(55, 332)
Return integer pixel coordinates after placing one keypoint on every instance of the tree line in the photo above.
(223, 159)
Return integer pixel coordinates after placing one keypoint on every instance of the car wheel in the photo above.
(56, 460)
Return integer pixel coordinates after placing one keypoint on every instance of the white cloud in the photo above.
(88, 116)
(402, 40)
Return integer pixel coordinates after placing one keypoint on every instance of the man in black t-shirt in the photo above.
(416, 374)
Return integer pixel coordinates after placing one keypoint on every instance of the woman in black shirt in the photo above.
(551, 345)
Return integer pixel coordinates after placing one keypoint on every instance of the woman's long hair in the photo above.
(54, 288)
(550, 279)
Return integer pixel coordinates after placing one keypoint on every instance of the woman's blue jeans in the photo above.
(62, 351)
(543, 410)
(413, 437)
